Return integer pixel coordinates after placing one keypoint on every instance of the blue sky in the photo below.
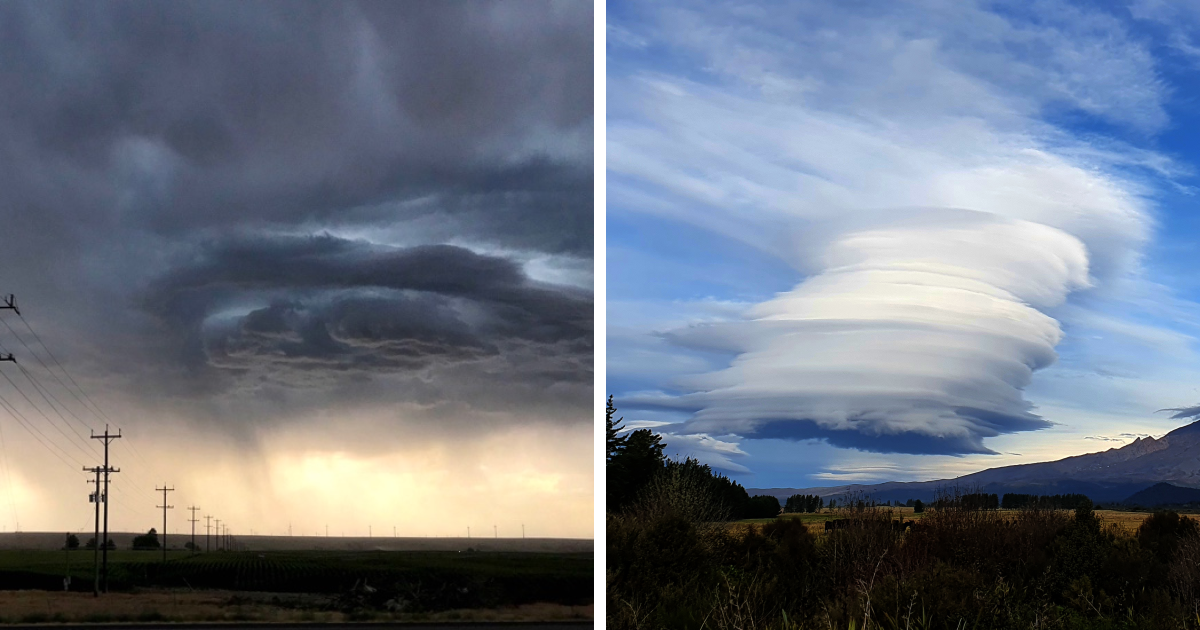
(857, 242)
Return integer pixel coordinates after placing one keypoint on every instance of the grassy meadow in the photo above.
(815, 521)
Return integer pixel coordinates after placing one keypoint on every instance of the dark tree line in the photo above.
(634, 459)
(1014, 501)
(803, 503)
(970, 501)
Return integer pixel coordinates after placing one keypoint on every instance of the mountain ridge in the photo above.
(1111, 475)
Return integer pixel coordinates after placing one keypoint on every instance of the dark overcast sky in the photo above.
(249, 214)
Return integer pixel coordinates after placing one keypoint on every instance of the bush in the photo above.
(684, 490)
(659, 568)
(1161, 532)
(957, 567)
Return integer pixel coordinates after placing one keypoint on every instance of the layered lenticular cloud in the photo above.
(915, 338)
(935, 236)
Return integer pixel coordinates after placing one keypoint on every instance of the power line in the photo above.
(43, 414)
(43, 391)
(32, 429)
(48, 370)
(97, 410)
(47, 395)
(9, 303)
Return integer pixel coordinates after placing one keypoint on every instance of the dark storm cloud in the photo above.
(340, 304)
(278, 112)
(308, 195)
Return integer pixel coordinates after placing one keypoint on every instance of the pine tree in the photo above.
(615, 442)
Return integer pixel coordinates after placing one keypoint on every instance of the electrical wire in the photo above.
(80, 396)
(94, 408)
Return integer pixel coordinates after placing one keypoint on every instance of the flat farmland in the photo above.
(396, 578)
(49, 541)
(174, 605)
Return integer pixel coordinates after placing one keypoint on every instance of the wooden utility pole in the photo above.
(95, 498)
(107, 438)
(165, 507)
(206, 529)
(193, 521)
(10, 303)
(218, 534)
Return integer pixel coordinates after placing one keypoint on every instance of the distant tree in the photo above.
(803, 503)
(731, 494)
(147, 541)
(73, 542)
(191, 546)
(978, 501)
(763, 506)
(918, 506)
(1014, 501)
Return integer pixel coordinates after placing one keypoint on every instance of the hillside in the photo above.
(1164, 494)
(1107, 476)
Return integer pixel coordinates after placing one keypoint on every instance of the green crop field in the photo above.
(430, 579)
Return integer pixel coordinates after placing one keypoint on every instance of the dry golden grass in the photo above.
(1126, 521)
(163, 605)
(815, 522)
